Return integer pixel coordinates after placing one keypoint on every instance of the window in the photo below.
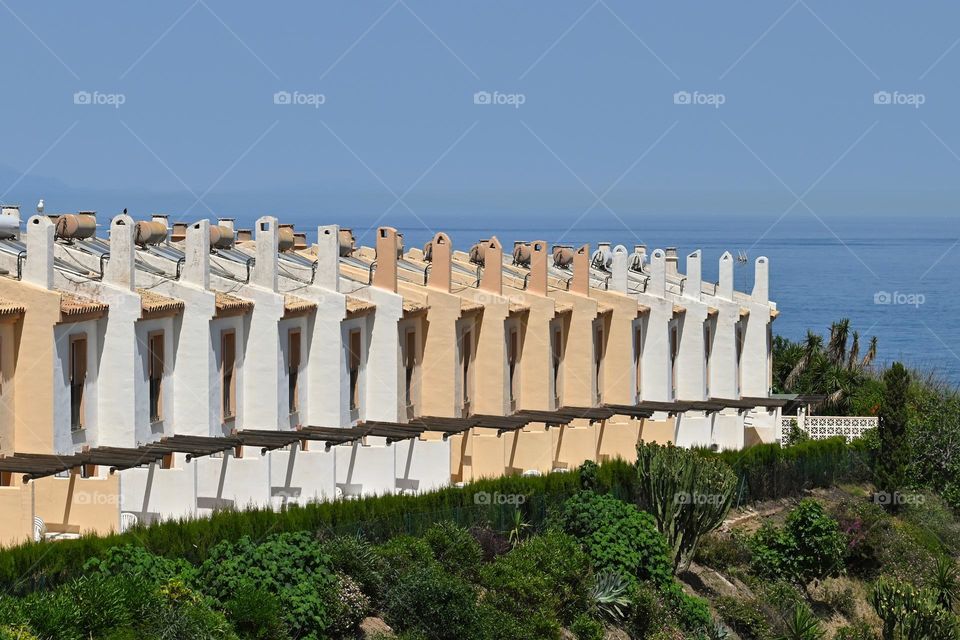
(228, 377)
(409, 368)
(638, 360)
(674, 351)
(513, 359)
(556, 346)
(355, 351)
(155, 355)
(598, 364)
(707, 349)
(293, 370)
(466, 355)
(78, 378)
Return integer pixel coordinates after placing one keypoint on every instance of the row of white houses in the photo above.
(151, 372)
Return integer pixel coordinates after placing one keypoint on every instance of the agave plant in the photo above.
(946, 583)
(611, 595)
(519, 528)
(802, 625)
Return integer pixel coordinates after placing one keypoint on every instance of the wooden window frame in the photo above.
(294, 363)
(228, 390)
(152, 364)
(76, 339)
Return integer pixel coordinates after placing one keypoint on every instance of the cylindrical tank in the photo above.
(75, 226)
(562, 256)
(150, 232)
(285, 237)
(345, 237)
(522, 254)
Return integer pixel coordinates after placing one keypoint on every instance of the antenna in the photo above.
(742, 261)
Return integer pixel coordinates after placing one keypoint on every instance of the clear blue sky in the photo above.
(198, 119)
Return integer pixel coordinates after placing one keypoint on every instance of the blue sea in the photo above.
(894, 277)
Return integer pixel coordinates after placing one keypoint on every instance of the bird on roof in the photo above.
(40, 206)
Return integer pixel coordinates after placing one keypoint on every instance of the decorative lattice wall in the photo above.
(822, 427)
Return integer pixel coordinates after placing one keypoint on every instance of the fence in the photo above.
(823, 427)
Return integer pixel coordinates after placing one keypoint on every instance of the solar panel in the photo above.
(297, 260)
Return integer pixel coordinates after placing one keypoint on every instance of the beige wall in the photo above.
(658, 431)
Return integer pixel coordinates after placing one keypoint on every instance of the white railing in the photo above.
(822, 427)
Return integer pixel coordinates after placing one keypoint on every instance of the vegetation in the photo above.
(687, 494)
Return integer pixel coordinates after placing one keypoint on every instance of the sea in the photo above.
(894, 277)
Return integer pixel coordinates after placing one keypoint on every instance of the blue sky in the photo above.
(198, 129)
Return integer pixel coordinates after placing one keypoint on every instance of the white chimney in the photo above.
(691, 288)
(328, 257)
(38, 265)
(761, 280)
(266, 267)
(121, 268)
(196, 265)
(725, 288)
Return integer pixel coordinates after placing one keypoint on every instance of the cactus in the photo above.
(687, 494)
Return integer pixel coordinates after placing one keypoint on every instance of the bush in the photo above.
(403, 554)
(722, 551)
(744, 617)
(617, 536)
(290, 565)
(357, 558)
(455, 549)
(492, 543)
(857, 631)
(690, 612)
(428, 601)
(349, 608)
(136, 561)
(840, 598)
(811, 545)
(687, 494)
(256, 613)
(586, 628)
(543, 583)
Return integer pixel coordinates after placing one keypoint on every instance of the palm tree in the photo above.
(834, 371)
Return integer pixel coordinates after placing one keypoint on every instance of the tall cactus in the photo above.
(687, 494)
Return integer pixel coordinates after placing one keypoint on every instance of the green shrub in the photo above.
(431, 602)
(544, 582)
(810, 546)
(349, 608)
(617, 536)
(689, 612)
(136, 561)
(290, 565)
(357, 558)
(743, 616)
(611, 595)
(856, 631)
(256, 613)
(455, 549)
(687, 494)
(840, 598)
(8, 632)
(492, 543)
(586, 628)
(404, 553)
(722, 551)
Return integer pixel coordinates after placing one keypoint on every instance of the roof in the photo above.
(518, 307)
(227, 303)
(153, 303)
(604, 308)
(466, 306)
(8, 308)
(72, 305)
(562, 307)
(358, 306)
(413, 306)
(294, 305)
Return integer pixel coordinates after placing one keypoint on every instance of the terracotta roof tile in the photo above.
(519, 307)
(413, 306)
(561, 308)
(227, 303)
(8, 308)
(72, 304)
(151, 302)
(295, 304)
(358, 306)
(467, 306)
